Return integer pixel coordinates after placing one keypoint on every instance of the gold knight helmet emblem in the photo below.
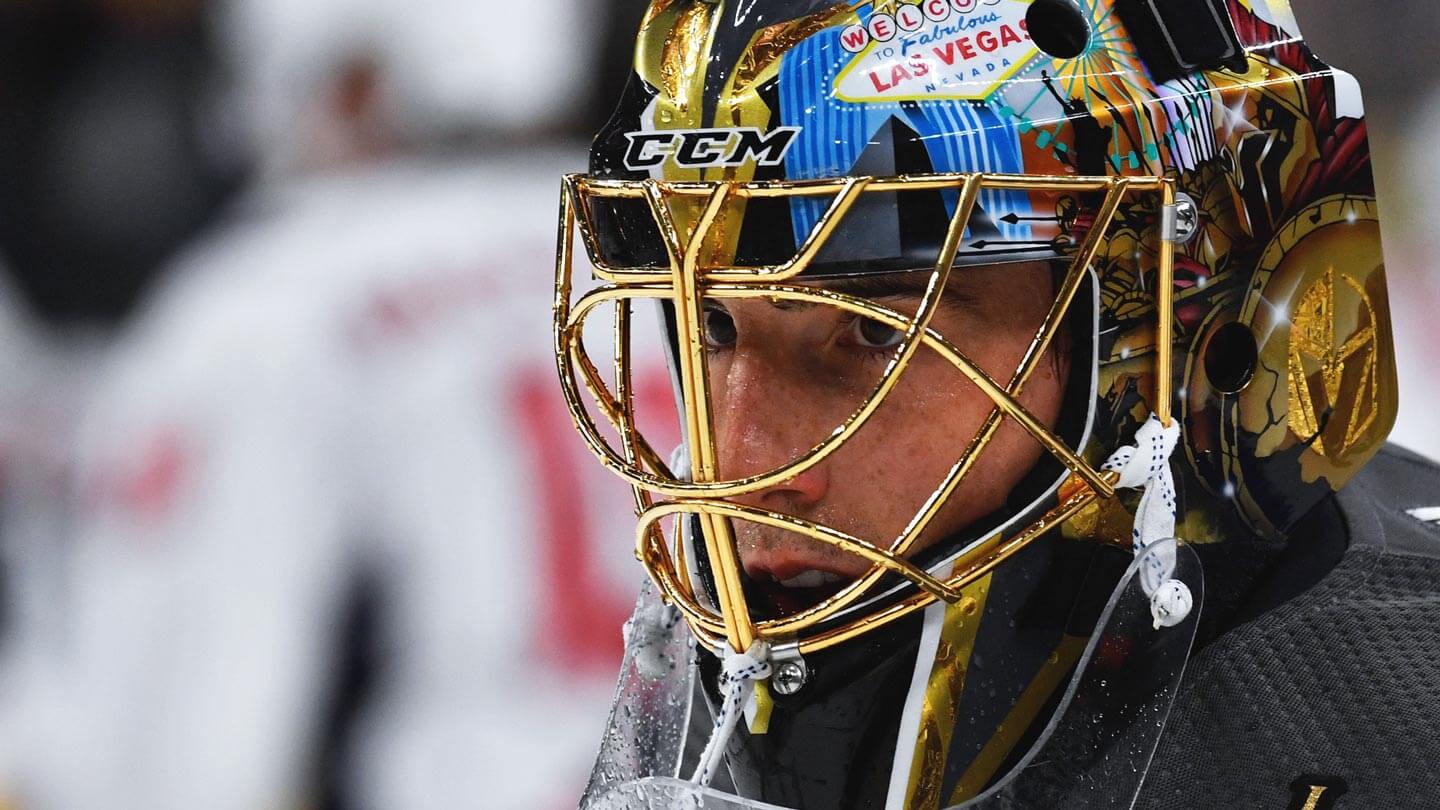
(1333, 381)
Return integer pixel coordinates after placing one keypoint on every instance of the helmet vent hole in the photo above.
(1230, 358)
(1058, 28)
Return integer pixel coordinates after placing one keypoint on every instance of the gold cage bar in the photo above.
(685, 282)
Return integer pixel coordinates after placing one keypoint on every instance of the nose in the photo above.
(765, 419)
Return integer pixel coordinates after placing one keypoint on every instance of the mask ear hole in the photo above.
(1230, 358)
(1058, 27)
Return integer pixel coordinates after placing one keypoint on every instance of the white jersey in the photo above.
(350, 386)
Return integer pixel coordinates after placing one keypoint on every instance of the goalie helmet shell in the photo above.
(1287, 384)
(1196, 161)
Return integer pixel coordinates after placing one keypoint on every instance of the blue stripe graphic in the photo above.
(959, 135)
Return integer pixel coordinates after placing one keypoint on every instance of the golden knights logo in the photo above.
(702, 148)
(1332, 360)
(1316, 793)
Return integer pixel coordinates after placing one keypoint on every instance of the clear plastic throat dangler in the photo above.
(1093, 753)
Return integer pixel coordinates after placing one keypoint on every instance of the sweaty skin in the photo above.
(784, 375)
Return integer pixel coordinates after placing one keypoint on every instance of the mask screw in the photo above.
(1187, 218)
(789, 677)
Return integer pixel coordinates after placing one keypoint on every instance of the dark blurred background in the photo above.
(290, 513)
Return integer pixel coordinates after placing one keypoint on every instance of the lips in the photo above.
(812, 579)
(788, 585)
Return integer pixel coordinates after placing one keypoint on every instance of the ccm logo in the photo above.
(699, 148)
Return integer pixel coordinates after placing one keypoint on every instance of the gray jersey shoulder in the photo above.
(1331, 699)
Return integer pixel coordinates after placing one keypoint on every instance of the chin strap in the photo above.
(1146, 466)
(738, 675)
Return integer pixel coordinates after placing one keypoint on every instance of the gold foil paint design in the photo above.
(671, 55)
(1331, 364)
(761, 62)
(682, 60)
(1025, 711)
(1331, 421)
(1312, 799)
(685, 54)
(942, 694)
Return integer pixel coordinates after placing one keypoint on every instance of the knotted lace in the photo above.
(738, 675)
(1146, 466)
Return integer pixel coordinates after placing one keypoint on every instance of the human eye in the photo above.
(869, 333)
(720, 332)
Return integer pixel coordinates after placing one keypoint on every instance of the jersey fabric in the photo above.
(1330, 698)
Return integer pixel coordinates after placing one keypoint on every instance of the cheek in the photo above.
(1044, 394)
(933, 424)
(914, 438)
(886, 472)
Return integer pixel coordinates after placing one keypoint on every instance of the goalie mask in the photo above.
(971, 306)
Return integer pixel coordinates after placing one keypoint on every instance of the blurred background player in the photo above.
(281, 478)
(104, 173)
(302, 491)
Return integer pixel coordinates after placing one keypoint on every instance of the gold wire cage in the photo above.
(688, 279)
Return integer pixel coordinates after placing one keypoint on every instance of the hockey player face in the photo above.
(784, 372)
